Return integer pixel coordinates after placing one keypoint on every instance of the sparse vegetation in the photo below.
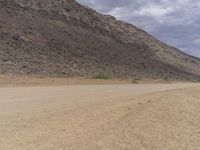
(60, 75)
(102, 76)
(196, 81)
(166, 78)
(135, 80)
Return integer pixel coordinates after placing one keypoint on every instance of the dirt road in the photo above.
(101, 117)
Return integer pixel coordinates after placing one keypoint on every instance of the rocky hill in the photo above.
(62, 37)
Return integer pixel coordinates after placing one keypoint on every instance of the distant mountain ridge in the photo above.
(52, 37)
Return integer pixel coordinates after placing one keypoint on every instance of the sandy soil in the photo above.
(11, 81)
(101, 117)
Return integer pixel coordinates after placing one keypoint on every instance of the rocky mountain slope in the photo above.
(62, 37)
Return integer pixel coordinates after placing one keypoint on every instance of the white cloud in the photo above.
(197, 41)
(118, 12)
(155, 11)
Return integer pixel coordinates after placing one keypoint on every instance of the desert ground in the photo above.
(153, 116)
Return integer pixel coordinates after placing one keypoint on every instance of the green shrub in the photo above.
(134, 82)
(198, 80)
(166, 78)
(137, 79)
(102, 76)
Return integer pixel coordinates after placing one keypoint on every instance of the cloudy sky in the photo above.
(176, 22)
